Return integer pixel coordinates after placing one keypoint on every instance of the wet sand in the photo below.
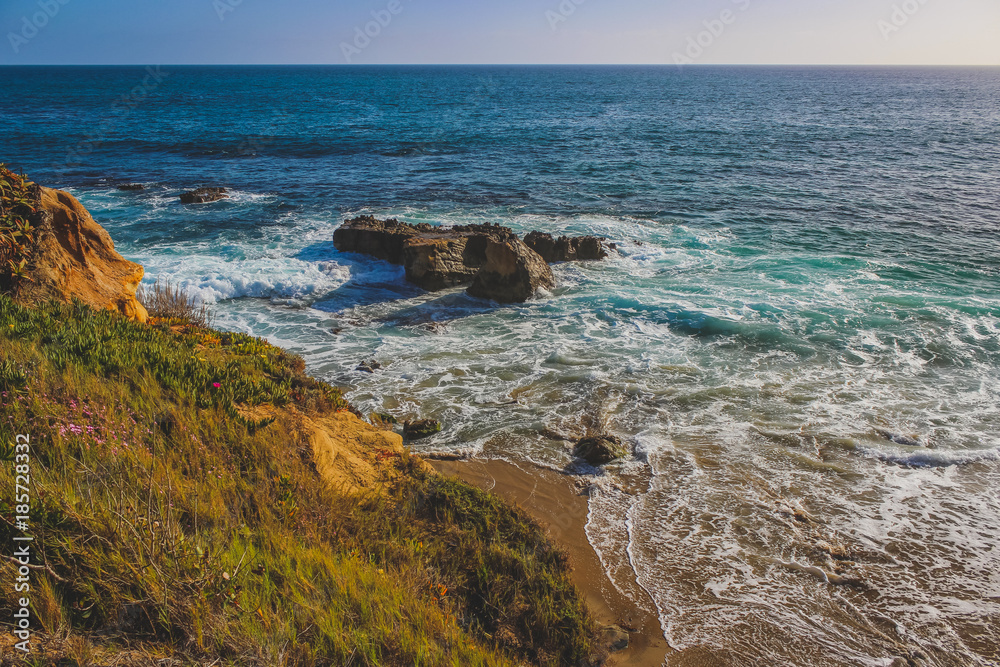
(558, 502)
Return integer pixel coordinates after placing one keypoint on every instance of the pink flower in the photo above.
(216, 385)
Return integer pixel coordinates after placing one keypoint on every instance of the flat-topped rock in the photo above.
(435, 258)
(383, 239)
(204, 195)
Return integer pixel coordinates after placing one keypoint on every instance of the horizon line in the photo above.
(500, 64)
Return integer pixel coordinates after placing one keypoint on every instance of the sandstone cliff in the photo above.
(74, 257)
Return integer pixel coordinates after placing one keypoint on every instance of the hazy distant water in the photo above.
(808, 258)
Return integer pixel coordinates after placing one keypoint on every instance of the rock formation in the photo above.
(204, 195)
(490, 258)
(353, 456)
(436, 262)
(422, 428)
(600, 449)
(512, 272)
(566, 248)
(74, 257)
(383, 239)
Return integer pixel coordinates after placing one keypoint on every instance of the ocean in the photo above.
(798, 336)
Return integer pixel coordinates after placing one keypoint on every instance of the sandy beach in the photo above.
(559, 503)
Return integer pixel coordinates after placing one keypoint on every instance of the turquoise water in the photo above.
(808, 261)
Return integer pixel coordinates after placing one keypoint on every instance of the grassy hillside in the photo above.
(175, 522)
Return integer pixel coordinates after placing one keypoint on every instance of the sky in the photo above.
(850, 32)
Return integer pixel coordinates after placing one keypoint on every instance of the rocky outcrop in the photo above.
(204, 195)
(423, 249)
(600, 449)
(450, 256)
(131, 187)
(490, 258)
(438, 263)
(368, 366)
(422, 428)
(75, 258)
(566, 248)
(512, 272)
(352, 456)
(384, 239)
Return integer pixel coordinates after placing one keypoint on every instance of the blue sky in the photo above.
(947, 32)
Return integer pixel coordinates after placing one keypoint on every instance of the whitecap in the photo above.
(211, 279)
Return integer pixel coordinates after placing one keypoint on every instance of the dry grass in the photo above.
(166, 302)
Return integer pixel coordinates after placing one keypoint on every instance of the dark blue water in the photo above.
(809, 258)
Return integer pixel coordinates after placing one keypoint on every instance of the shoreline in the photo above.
(559, 505)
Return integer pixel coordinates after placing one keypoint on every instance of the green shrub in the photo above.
(18, 202)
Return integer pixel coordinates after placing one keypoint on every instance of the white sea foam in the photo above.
(211, 278)
(933, 458)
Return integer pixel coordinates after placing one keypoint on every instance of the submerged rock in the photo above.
(600, 449)
(204, 195)
(131, 187)
(422, 428)
(368, 366)
(899, 438)
(75, 258)
(616, 638)
(566, 248)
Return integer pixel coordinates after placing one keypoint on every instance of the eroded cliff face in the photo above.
(74, 257)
